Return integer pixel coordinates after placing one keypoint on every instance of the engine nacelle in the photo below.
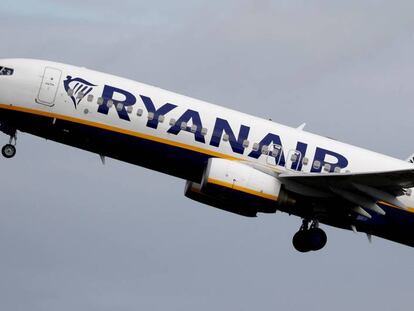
(237, 188)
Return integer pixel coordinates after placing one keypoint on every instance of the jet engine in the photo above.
(238, 188)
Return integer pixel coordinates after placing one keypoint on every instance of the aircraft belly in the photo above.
(397, 225)
(167, 159)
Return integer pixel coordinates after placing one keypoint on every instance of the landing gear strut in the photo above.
(9, 150)
(309, 238)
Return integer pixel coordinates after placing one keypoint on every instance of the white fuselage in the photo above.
(22, 92)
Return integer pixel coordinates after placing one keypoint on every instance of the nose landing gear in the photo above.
(309, 238)
(9, 150)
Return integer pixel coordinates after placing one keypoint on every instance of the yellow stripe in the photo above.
(242, 189)
(119, 130)
(388, 204)
(160, 140)
(408, 209)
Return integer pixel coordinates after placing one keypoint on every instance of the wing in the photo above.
(394, 182)
(364, 190)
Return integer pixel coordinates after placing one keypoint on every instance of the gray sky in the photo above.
(76, 235)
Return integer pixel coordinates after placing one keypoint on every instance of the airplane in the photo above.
(230, 160)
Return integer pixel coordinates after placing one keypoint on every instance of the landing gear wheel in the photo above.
(309, 239)
(317, 238)
(300, 241)
(8, 151)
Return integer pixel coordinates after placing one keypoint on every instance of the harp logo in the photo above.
(77, 89)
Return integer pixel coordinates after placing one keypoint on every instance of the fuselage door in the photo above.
(274, 155)
(49, 86)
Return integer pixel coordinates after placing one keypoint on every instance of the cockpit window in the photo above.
(4, 71)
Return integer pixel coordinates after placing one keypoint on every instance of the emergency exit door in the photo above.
(49, 86)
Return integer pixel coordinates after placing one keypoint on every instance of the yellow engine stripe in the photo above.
(242, 189)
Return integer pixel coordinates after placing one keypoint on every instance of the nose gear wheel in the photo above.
(9, 150)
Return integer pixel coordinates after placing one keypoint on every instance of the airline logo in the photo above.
(194, 124)
(81, 88)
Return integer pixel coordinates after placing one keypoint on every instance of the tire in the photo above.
(300, 241)
(317, 239)
(8, 151)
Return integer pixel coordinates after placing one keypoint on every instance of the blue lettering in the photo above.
(270, 139)
(222, 126)
(149, 105)
(320, 155)
(108, 93)
(196, 121)
(301, 147)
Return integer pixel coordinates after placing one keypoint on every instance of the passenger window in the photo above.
(204, 131)
(327, 167)
(80, 95)
(193, 128)
(161, 118)
(109, 103)
(274, 152)
(265, 149)
(337, 169)
(317, 165)
(119, 106)
(100, 101)
(225, 137)
(139, 112)
(90, 98)
(255, 146)
(305, 161)
(245, 143)
(183, 126)
(150, 116)
(70, 92)
(172, 122)
(129, 109)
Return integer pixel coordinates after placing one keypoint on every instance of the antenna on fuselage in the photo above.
(102, 159)
(301, 127)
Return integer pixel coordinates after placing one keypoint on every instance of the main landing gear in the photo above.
(9, 150)
(309, 238)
